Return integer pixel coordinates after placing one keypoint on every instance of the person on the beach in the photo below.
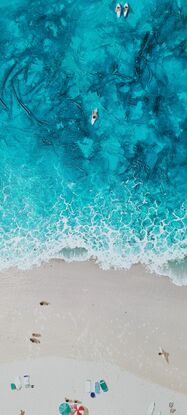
(44, 303)
(34, 340)
(164, 354)
(171, 407)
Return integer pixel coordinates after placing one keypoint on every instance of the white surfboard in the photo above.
(94, 116)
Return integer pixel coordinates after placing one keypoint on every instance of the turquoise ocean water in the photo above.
(115, 191)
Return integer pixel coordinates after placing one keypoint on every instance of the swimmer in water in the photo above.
(126, 9)
(118, 10)
(94, 116)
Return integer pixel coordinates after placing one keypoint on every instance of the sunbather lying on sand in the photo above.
(34, 340)
(171, 407)
(72, 401)
(44, 303)
(164, 354)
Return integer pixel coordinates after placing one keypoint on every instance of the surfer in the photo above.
(118, 10)
(94, 116)
(126, 9)
(34, 340)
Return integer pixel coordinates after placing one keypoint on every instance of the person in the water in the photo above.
(126, 9)
(118, 10)
(94, 116)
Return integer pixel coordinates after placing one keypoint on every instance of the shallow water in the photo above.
(115, 191)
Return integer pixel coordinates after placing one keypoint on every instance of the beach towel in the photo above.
(103, 385)
(18, 383)
(97, 387)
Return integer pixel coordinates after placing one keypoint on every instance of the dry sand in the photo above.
(99, 324)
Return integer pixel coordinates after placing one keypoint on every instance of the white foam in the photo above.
(114, 238)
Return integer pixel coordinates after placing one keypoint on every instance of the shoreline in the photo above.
(176, 270)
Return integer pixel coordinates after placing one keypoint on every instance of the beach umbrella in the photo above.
(77, 410)
(64, 409)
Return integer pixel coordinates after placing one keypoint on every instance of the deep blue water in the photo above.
(115, 191)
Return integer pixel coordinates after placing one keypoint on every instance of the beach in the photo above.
(98, 325)
(93, 213)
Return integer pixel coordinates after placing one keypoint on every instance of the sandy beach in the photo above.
(99, 325)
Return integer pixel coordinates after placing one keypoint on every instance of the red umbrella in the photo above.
(77, 410)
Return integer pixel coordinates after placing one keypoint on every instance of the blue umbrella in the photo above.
(64, 409)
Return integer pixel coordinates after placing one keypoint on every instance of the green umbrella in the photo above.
(64, 409)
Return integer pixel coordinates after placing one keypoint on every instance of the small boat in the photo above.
(118, 10)
(126, 9)
(94, 116)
